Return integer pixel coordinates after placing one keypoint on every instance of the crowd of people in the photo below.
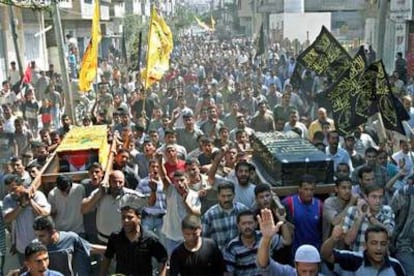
(184, 196)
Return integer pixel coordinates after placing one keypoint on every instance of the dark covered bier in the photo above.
(283, 159)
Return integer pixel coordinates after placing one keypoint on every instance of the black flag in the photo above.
(260, 43)
(385, 102)
(325, 56)
(350, 96)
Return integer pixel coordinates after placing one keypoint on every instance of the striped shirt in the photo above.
(220, 225)
(385, 216)
(241, 260)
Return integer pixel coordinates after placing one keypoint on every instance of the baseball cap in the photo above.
(307, 254)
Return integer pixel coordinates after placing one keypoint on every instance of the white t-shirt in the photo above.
(408, 158)
(177, 211)
(66, 210)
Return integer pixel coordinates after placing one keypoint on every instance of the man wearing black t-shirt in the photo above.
(133, 247)
(196, 255)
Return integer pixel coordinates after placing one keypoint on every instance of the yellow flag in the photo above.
(160, 46)
(213, 23)
(89, 64)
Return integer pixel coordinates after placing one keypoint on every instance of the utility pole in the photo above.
(67, 89)
(3, 34)
(381, 19)
(16, 44)
(253, 17)
(41, 18)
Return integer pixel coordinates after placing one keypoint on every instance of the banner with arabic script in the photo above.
(325, 56)
(351, 96)
(385, 102)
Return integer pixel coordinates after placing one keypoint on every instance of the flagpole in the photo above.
(138, 68)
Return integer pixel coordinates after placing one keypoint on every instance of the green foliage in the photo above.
(182, 19)
(132, 26)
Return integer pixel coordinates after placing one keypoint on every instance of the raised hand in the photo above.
(267, 224)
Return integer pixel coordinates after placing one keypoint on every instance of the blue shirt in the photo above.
(70, 255)
(341, 156)
(307, 219)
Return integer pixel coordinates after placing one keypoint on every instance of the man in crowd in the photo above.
(122, 164)
(219, 222)
(181, 201)
(68, 252)
(66, 200)
(404, 156)
(369, 211)
(366, 177)
(373, 260)
(170, 138)
(95, 173)
(380, 173)
(196, 255)
(153, 188)
(336, 207)
(244, 189)
(37, 261)
(172, 162)
(307, 258)
(402, 240)
(240, 252)
(20, 171)
(304, 211)
(107, 201)
(263, 119)
(357, 159)
(266, 199)
(20, 207)
(337, 154)
(241, 125)
(66, 125)
(317, 124)
(187, 136)
(134, 246)
(212, 126)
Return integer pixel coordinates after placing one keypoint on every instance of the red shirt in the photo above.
(180, 166)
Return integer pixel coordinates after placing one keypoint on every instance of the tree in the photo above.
(132, 26)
